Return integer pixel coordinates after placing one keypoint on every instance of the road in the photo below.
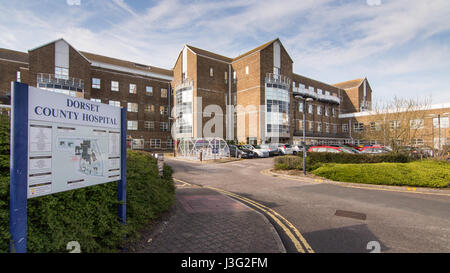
(398, 221)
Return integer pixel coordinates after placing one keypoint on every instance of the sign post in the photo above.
(61, 143)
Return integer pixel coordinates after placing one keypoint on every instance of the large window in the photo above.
(132, 107)
(319, 109)
(310, 109)
(358, 127)
(149, 125)
(114, 103)
(61, 73)
(133, 88)
(277, 109)
(155, 143)
(96, 83)
(164, 126)
(149, 91)
(149, 108)
(114, 86)
(164, 110)
(163, 93)
(184, 97)
(416, 123)
(18, 78)
(132, 125)
(300, 106)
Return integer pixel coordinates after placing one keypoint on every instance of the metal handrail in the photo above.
(274, 78)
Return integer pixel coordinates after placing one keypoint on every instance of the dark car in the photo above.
(240, 152)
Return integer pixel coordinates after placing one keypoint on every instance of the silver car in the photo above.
(258, 150)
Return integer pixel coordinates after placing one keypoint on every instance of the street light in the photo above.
(305, 100)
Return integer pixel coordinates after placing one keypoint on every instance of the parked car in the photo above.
(259, 152)
(373, 150)
(329, 149)
(235, 151)
(348, 148)
(272, 148)
(285, 149)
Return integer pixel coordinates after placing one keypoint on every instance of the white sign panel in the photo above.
(73, 143)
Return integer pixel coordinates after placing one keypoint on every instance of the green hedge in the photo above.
(88, 215)
(315, 160)
(425, 173)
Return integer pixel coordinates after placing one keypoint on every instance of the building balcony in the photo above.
(299, 133)
(72, 86)
(184, 83)
(277, 79)
(307, 93)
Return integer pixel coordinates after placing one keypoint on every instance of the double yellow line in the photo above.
(289, 229)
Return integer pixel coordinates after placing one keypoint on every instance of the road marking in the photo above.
(267, 172)
(300, 244)
(271, 213)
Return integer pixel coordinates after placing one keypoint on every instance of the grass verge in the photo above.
(427, 173)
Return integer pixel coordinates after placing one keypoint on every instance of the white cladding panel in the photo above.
(276, 54)
(61, 54)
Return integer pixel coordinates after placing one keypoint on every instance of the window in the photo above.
(358, 127)
(310, 109)
(133, 88)
(276, 71)
(327, 93)
(155, 143)
(96, 83)
(132, 107)
(319, 126)
(311, 126)
(132, 125)
(149, 91)
(319, 109)
(211, 72)
(300, 106)
(149, 125)
(319, 91)
(417, 142)
(114, 103)
(61, 73)
(327, 112)
(149, 108)
(246, 70)
(345, 128)
(333, 111)
(300, 124)
(164, 126)
(327, 127)
(114, 86)
(234, 77)
(394, 124)
(164, 110)
(18, 76)
(96, 100)
(226, 77)
(163, 93)
(169, 144)
(335, 128)
(416, 123)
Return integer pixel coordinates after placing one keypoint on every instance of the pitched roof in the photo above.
(13, 55)
(350, 84)
(261, 47)
(127, 64)
(209, 54)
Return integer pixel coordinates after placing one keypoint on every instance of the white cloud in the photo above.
(329, 41)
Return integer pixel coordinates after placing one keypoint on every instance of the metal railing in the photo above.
(307, 93)
(51, 81)
(184, 83)
(278, 79)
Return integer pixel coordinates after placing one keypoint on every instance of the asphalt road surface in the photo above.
(333, 218)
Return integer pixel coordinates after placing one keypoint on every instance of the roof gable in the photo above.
(350, 84)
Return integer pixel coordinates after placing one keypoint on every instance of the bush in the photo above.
(315, 160)
(427, 173)
(88, 215)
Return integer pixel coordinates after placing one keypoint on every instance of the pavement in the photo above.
(206, 221)
(330, 217)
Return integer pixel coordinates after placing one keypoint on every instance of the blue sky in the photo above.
(401, 46)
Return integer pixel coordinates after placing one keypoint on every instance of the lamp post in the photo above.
(305, 100)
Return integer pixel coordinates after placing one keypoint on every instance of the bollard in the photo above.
(201, 155)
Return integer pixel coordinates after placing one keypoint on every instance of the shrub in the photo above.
(315, 160)
(88, 215)
(425, 173)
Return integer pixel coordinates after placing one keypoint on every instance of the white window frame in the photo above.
(132, 125)
(115, 86)
(96, 100)
(133, 88)
(147, 92)
(114, 103)
(132, 107)
(96, 85)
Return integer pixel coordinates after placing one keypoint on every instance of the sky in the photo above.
(401, 46)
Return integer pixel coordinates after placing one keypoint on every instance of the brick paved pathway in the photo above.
(204, 221)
